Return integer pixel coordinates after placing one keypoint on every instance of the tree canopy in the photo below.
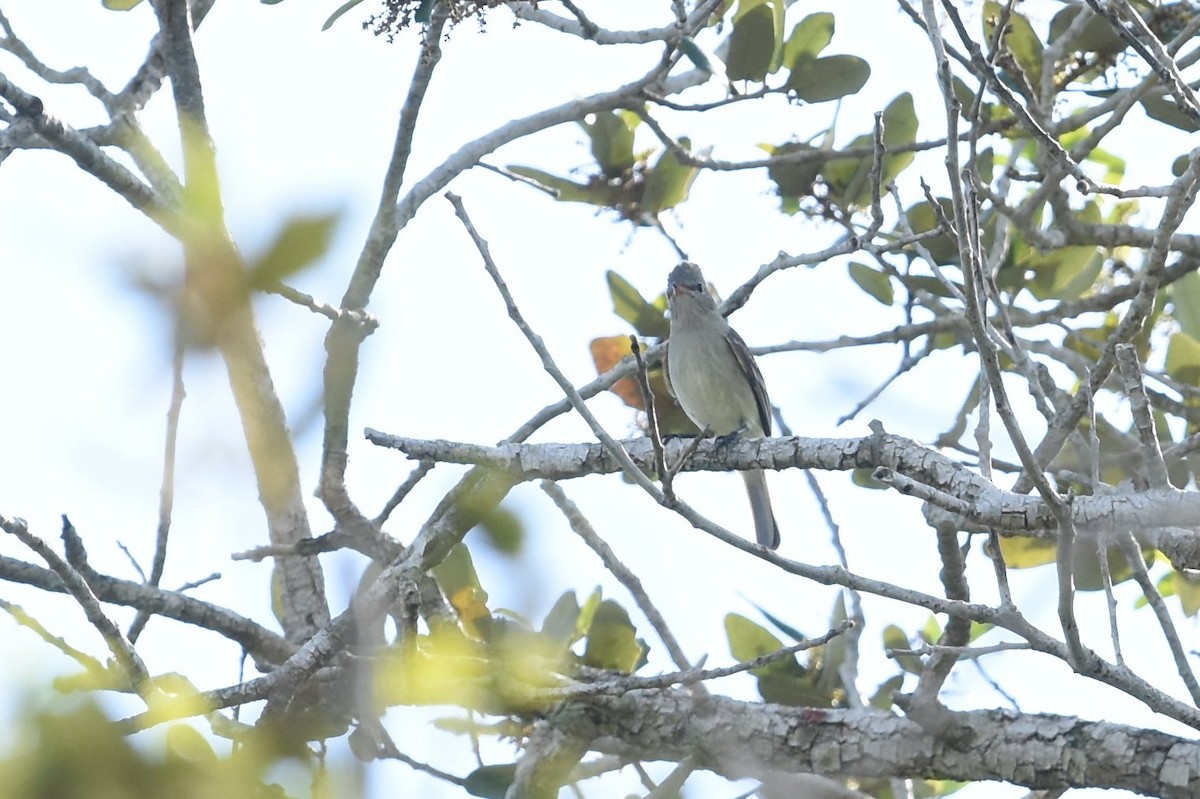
(957, 234)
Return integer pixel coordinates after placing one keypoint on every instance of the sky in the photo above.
(303, 121)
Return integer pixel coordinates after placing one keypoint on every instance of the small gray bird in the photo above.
(713, 375)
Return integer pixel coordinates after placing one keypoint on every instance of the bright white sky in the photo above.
(304, 122)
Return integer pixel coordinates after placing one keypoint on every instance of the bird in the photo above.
(712, 374)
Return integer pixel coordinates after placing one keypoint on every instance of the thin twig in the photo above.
(166, 494)
(131, 662)
(583, 528)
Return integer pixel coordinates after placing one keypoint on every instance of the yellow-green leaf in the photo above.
(668, 182)
(612, 641)
(646, 317)
(810, 36)
(611, 135)
(302, 241)
(873, 281)
(1183, 358)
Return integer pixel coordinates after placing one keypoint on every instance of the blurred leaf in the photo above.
(752, 43)
(588, 611)
(186, 744)
(796, 179)
(612, 640)
(120, 5)
(561, 623)
(1188, 592)
(1097, 35)
(611, 134)
(1019, 40)
(491, 782)
(862, 478)
(750, 641)
(1021, 552)
(302, 241)
(503, 529)
(755, 46)
(887, 690)
(810, 36)
(780, 624)
(1163, 109)
(932, 631)
(1183, 358)
(848, 178)
(648, 318)
(1185, 300)
(568, 191)
(442, 668)
(342, 9)
(820, 80)
(943, 249)
(895, 638)
(456, 576)
(1063, 274)
(688, 46)
(900, 125)
(873, 282)
(668, 182)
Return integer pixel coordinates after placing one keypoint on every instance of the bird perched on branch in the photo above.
(712, 374)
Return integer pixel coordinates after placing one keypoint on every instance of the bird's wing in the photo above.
(745, 361)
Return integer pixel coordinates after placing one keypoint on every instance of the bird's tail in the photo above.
(760, 506)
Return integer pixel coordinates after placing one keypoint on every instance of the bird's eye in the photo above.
(697, 287)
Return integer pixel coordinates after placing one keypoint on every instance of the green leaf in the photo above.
(611, 135)
(1166, 111)
(882, 698)
(1063, 274)
(820, 80)
(750, 641)
(568, 191)
(668, 182)
(342, 9)
(1188, 592)
(588, 611)
(793, 180)
(612, 641)
(689, 48)
(1019, 40)
(895, 638)
(303, 240)
(900, 126)
(1183, 358)
(863, 479)
(1097, 35)
(810, 36)
(491, 782)
(1185, 300)
(646, 317)
(120, 5)
(873, 281)
(561, 623)
(1026, 553)
(752, 43)
(457, 571)
(922, 218)
(503, 529)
